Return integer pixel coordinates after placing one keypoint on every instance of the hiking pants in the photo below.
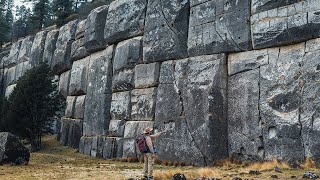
(148, 164)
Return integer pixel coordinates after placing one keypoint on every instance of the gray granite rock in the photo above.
(81, 28)
(286, 25)
(70, 109)
(143, 103)
(134, 128)
(166, 30)
(50, 46)
(64, 83)
(113, 148)
(218, 26)
(195, 99)
(61, 61)
(129, 148)
(264, 5)
(36, 55)
(98, 98)
(12, 57)
(116, 128)
(121, 106)
(21, 68)
(244, 125)
(94, 29)
(75, 133)
(25, 49)
(64, 131)
(123, 80)
(78, 50)
(146, 75)
(9, 76)
(125, 20)
(78, 77)
(79, 107)
(9, 90)
(128, 53)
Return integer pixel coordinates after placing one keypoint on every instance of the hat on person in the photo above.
(147, 130)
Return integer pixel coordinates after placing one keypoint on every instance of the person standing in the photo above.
(149, 155)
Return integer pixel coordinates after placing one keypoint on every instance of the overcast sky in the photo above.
(20, 2)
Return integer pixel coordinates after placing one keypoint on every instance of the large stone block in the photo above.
(81, 28)
(129, 148)
(195, 99)
(94, 29)
(219, 26)
(166, 30)
(264, 5)
(98, 98)
(116, 128)
(125, 20)
(21, 68)
(85, 145)
(134, 128)
(146, 75)
(37, 49)
(113, 148)
(50, 46)
(64, 83)
(71, 132)
(123, 81)
(70, 109)
(128, 53)
(286, 25)
(143, 103)
(9, 76)
(78, 77)
(25, 49)
(245, 128)
(61, 61)
(121, 106)
(78, 50)
(12, 58)
(79, 107)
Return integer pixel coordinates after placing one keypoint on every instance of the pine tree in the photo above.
(32, 105)
(62, 9)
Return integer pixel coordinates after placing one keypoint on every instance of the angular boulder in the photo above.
(121, 106)
(127, 54)
(113, 148)
(166, 30)
(9, 90)
(98, 97)
(37, 49)
(61, 61)
(143, 103)
(116, 128)
(78, 50)
(125, 20)
(79, 107)
(50, 46)
(12, 58)
(78, 77)
(218, 26)
(146, 75)
(25, 49)
(94, 29)
(264, 5)
(192, 107)
(280, 26)
(64, 83)
(12, 151)
(123, 80)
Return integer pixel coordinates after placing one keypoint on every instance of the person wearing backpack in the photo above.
(148, 151)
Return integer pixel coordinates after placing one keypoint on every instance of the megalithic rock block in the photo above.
(50, 46)
(25, 49)
(37, 49)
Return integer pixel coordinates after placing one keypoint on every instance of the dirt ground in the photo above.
(58, 162)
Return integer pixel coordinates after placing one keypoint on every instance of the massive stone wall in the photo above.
(224, 78)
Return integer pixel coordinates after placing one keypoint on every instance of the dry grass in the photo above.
(267, 165)
(308, 164)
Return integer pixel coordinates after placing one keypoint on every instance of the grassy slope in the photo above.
(58, 162)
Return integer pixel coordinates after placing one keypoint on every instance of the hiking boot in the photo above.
(150, 178)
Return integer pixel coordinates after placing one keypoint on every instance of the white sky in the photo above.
(20, 2)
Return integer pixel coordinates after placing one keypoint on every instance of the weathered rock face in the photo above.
(280, 26)
(97, 107)
(279, 101)
(218, 26)
(94, 29)
(71, 132)
(78, 77)
(61, 61)
(143, 103)
(264, 5)
(121, 106)
(37, 49)
(50, 46)
(25, 49)
(125, 20)
(64, 83)
(166, 30)
(12, 150)
(192, 105)
(12, 58)
(146, 75)
(9, 90)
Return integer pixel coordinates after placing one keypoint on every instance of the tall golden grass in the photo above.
(267, 165)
